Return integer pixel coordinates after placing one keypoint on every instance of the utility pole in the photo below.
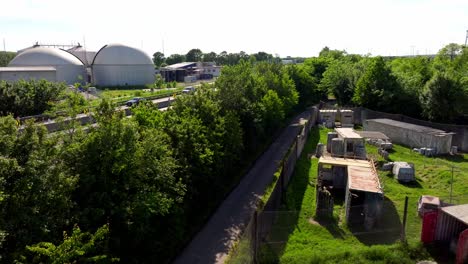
(4, 47)
(466, 39)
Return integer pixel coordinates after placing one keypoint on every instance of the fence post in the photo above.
(405, 214)
(254, 236)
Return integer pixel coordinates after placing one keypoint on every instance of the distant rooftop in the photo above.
(180, 65)
(417, 128)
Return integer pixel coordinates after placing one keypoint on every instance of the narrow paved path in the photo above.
(212, 243)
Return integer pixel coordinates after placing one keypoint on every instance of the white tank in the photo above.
(69, 69)
(119, 65)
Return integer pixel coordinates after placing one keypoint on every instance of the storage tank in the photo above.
(69, 69)
(337, 147)
(120, 65)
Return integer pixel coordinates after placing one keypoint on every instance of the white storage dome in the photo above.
(120, 65)
(69, 68)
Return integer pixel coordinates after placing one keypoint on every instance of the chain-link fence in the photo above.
(269, 233)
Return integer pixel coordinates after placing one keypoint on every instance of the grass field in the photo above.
(129, 94)
(299, 238)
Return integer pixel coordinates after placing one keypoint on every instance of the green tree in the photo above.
(209, 57)
(158, 59)
(443, 98)
(6, 57)
(377, 88)
(175, 58)
(79, 247)
(23, 98)
(338, 80)
(194, 55)
(36, 185)
(306, 85)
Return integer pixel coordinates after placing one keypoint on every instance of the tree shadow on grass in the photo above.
(331, 224)
(458, 158)
(385, 231)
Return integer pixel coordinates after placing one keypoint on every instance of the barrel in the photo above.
(319, 150)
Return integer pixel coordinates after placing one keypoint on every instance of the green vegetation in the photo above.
(23, 98)
(311, 240)
(6, 57)
(123, 95)
(434, 89)
(223, 58)
(153, 179)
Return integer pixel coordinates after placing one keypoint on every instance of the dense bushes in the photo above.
(435, 89)
(23, 98)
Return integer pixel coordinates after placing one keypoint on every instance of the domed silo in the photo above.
(69, 69)
(120, 65)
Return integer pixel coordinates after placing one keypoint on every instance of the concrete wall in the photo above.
(411, 138)
(27, 75)
(460, 138)
(123, 75)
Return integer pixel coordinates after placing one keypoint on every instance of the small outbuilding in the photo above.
(411, 135)
(328, 117)
(360, 181)
(353, 143)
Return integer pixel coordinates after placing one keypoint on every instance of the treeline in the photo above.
(6, 57)
(423, 87)
(136, 189)
(223, 58)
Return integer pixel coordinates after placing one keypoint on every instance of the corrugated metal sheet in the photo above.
(448, 226)
(460, 212)
(363, 179)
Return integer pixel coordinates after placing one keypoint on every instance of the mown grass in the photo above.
(298, 237)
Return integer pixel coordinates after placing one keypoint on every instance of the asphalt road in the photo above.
(213, 242)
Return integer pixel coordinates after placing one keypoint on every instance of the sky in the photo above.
(284, 28)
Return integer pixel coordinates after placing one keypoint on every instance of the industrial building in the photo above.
(411, 135)
(112, 65)
(67, 67)
(190, 71)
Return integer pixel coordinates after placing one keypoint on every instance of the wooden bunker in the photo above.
(361, 185)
